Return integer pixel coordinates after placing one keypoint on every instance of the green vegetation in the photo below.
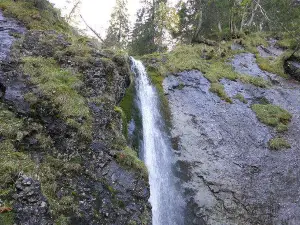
(241, 98)
(157, 79)
(129, 159)
(212, 61)
(272, 65)
(124, 120)
(278, 144)
(7, 218)
(272, 115)
(35, 14)
(61, 86)
(127, 103)
(219, 90)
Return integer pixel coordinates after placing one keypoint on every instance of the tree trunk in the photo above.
(199, 22)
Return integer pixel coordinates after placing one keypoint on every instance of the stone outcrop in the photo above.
(229, 173)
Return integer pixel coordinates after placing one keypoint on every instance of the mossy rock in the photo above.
(278, 144)
(272, 115)
(129, 159)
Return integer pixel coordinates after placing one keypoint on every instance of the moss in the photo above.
(272, 65)
(38, 15)
(253, 40)
(124, 120)
(272, 115)
(61, 86)
(219, 90)
(51, 172)
(7, 218)
(256, 81)
(278, 144)
(157, 79)
(218, 70)
(129, 159)
(9, 124)
(241, 98)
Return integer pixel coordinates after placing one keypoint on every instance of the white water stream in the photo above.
(166, 201)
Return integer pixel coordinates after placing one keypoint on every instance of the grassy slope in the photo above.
(62, 86)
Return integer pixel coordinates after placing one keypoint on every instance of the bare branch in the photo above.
(98, 35)
(72, 11)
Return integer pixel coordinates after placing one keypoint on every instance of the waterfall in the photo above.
(157, 152)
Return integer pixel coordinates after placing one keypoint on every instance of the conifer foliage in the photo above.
(118, 32)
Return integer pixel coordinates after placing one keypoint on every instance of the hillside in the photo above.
(64, 159)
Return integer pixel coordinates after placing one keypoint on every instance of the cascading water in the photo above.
(166, 201)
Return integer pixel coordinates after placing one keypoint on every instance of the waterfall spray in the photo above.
(165, 199)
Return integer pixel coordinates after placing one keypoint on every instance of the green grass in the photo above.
(272, 65)
(253, 40)
(41, 16)
(272, 115)
(219, 90)
(278, 144)
(124, 120)
(129, 159)
(212, 61)
(61, 86)
(241, 98)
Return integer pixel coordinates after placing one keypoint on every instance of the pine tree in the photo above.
(118, 30)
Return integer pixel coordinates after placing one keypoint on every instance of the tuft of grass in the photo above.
(278, 144)
(9, 124)
(129, 159)
(272, 115)
(241, 98)
(124, 120)
(36, 15)
(253, 40)
(219, 90)
(272, 65)
(61, 86)
(281, 128)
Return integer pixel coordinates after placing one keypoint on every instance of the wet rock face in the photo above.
(229, 173)
(8, 26)
(31, 206)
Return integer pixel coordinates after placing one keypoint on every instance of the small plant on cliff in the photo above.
(241, 98)
(219, 90)
(278, 143)
(272, 115)
(129, 159)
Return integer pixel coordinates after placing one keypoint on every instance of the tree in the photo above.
(118, 31)
(155, 21)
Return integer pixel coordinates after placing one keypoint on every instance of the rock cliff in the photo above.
(64, 159)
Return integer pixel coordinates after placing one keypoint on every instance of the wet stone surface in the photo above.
(230, 175)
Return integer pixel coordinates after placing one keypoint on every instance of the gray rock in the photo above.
(30, 205)
(230, 175)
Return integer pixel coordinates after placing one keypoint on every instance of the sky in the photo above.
(97, 12)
